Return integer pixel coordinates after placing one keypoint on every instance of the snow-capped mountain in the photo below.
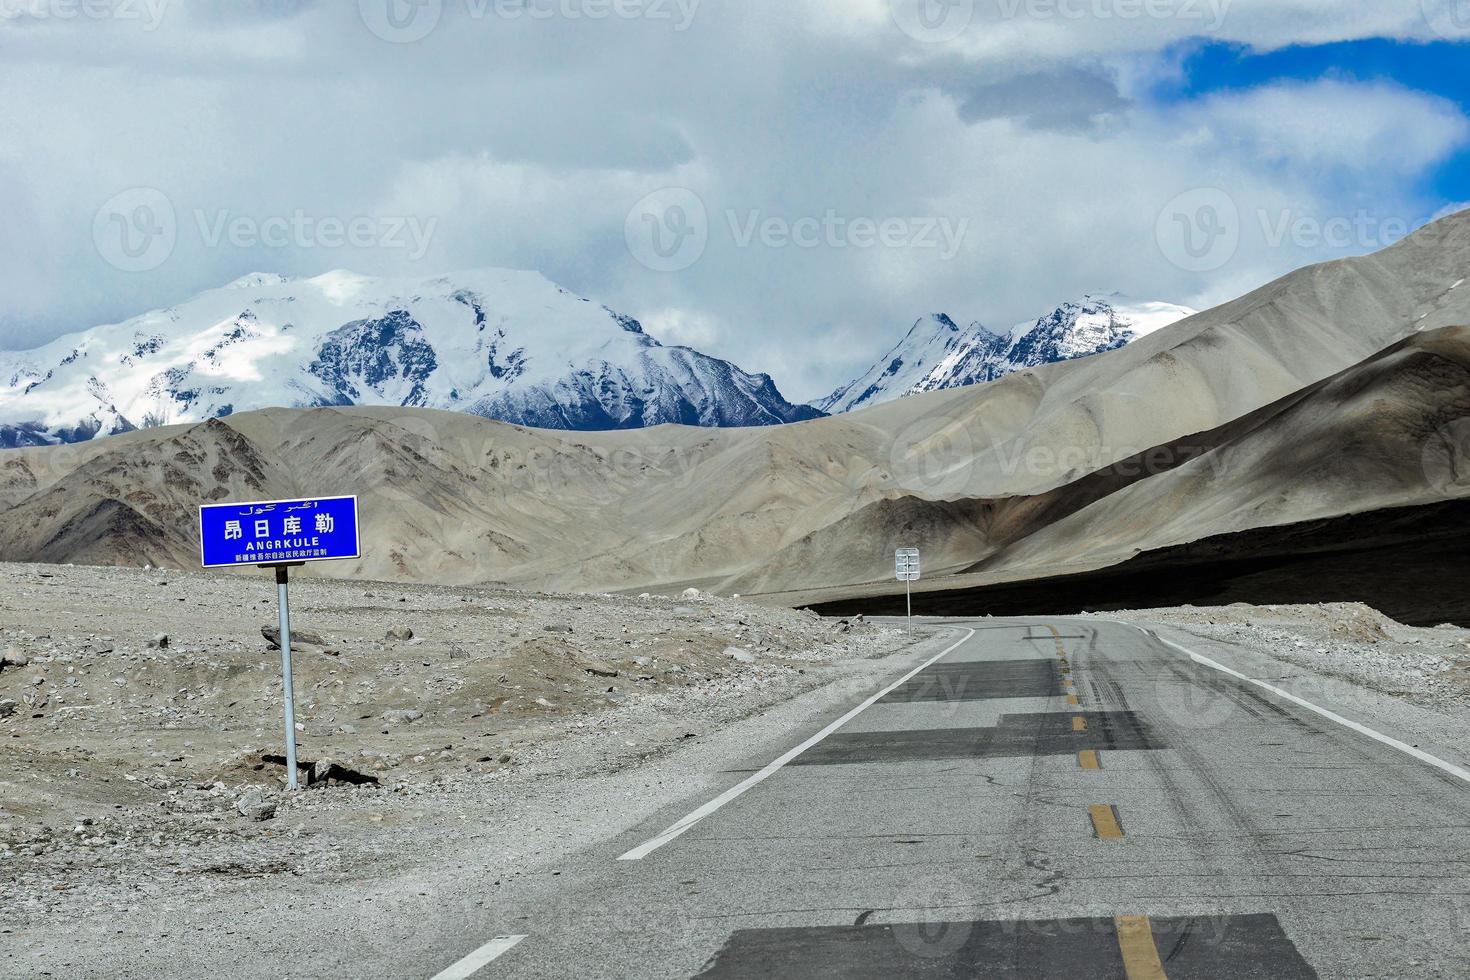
(503, 344)
(938, 353)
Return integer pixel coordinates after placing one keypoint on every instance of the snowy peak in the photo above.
(938, 354)
(923, 350)
(505, 344)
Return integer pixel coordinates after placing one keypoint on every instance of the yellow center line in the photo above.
(1066, 669)
(1105, 822)
(1079, 724)
(1089, 760)
(1140, 953)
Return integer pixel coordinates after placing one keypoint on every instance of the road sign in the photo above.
(906, 567)
(906, 564)
(279, 534)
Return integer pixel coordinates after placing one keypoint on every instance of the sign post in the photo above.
(288, 685)
(906, 567)
(280, 534)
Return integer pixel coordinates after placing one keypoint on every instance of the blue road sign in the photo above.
(275, 532)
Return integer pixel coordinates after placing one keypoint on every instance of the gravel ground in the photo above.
(1429, 667)
(491, 730)
(141, 719)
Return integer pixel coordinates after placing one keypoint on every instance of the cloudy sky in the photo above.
(786, 183)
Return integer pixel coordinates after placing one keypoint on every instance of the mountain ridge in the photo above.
(502, 344)
(937, 353)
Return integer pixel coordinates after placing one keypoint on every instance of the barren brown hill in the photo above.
(1021, 473)
(1382, 438)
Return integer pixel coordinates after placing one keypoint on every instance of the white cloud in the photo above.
(683, 328)
(1356, 126)
(528, 141)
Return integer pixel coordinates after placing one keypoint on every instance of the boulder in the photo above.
(299, 638)
(253, 804)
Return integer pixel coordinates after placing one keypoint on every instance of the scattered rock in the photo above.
(306, 638)
(403, 716)
(400, 633)
(326, 771)
(13, 658)
(254, 805)
(321, 772)
(455, 653)
(159, 642)
(598, 669)
(694, 595)
(7, 707)
(557, 628)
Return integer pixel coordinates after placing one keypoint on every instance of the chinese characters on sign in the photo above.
(278, 531)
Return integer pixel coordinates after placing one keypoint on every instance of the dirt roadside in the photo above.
(1428, 667)
(141, 718)
(142, 813)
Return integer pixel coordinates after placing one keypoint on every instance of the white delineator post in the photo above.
(287, 687)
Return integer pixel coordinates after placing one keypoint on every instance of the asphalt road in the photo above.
(1050, 798)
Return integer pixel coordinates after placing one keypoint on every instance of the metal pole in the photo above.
(908, 595)
(282, 577)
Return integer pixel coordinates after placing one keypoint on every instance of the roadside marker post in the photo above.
(281, 535)
(906, 567)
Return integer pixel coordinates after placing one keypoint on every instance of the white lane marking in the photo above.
(1377, 736)
(643, 850)
(480, 958)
